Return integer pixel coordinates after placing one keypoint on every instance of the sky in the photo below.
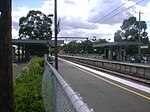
(84, 18)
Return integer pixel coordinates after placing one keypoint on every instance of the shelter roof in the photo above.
(116, 44)
(37, 42)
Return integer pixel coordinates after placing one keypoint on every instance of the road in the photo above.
(104, 94)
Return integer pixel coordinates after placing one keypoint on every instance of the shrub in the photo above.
(37, 66)
(28, 88)
(25, 70)
(14, 66)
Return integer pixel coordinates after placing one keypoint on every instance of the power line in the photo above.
(113, 15)
(72, 37)
(103, 17)
(122, 11)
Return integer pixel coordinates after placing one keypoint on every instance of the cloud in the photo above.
(110, 11)
(15, 25)
(75, 23)
(97, 11)
(87, 17)
(69, 2)
(16, 15)
(85, 23)
(14, 33)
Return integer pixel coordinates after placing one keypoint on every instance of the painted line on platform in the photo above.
(114, 84)
(128, 83)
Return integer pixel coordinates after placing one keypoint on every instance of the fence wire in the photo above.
(58, 95)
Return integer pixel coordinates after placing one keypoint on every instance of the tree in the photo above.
(35, 25)
(82, 47)
(117, 36)
(71, 47)
(130, 31)
(100, 41)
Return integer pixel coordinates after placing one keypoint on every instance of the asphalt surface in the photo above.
(103, 96)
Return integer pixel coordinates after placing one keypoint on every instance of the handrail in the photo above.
(76, 100)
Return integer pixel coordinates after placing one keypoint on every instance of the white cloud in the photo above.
(145, 16)
(87, 15)
(14, 33)
(80, 17)
(22, 11)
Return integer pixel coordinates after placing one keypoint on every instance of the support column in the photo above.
(18, 52)
(26, 53)
(23, 52)
(120, 56)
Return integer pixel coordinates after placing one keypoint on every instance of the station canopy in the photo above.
(36, 42)
(116, 44)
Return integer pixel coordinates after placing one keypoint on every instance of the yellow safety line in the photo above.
(139, 94)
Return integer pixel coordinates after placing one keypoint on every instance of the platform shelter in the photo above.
(117, 50)
(26, 49)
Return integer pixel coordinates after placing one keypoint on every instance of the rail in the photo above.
(137, 70)
(61, 96)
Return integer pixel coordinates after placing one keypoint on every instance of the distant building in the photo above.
(116, 50)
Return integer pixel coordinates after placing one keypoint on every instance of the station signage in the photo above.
(144, 47)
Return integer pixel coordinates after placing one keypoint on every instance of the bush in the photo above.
(37, 66)
(25, 70)
(28, 88)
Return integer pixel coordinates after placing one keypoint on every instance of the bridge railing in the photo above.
(58, 95)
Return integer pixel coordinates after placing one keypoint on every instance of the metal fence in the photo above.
(58, 95)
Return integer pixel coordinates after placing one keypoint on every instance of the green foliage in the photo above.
(35, 25)
(14, 66)
(37, 66)
(83, 47)
(28, 88)
(25, 70)
(130, 31)
(117, 37)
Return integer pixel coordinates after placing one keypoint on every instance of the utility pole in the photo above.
(139, 34)
(56, 47)
(6, 76)
(139, 46)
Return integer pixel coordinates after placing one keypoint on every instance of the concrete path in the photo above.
(18, 69)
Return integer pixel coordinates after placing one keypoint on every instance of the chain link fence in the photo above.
(58, 95)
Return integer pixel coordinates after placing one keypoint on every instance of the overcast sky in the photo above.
(85, 18)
